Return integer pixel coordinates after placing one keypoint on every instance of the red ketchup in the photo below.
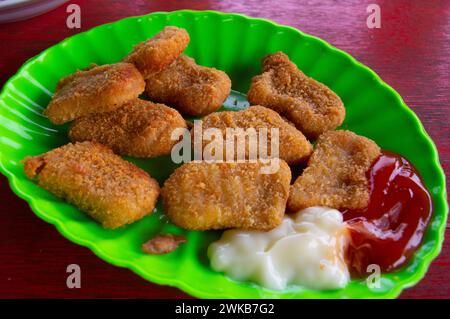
(391, 228)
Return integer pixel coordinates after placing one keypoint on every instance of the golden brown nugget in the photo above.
(294, 148)
(336, 173)
(98, 89)
(159, 51)
(309, 104)
(90, 176)
(201, 196)
(138, 128)
(190, 88)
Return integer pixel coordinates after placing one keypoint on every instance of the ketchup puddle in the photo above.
(391, 227)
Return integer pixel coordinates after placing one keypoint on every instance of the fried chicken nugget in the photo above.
(310, 105)
(138, 128)
(190, 88)
(98, 89)
(336, 173)
(201, 196)
(159, 51)
(89, 175)
(294, 148)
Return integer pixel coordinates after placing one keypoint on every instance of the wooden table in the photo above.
(410, 51)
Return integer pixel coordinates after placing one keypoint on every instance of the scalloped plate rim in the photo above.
(181, 284)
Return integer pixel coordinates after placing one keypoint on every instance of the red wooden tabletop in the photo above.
(410, 52)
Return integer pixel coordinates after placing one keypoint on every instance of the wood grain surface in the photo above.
(410, 52)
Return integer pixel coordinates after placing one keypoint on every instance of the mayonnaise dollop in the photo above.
(307, 249)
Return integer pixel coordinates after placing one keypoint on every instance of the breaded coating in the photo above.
(294, 148)
(190, 88)
(159, 51)
(138, 128)
(310, 105)
(336, 173)
(201, 196)
(162, 244)
(98, 89)
(90, 176)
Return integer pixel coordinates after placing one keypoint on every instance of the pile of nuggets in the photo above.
(109, 119)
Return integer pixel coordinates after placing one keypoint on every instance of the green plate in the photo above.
(235, 44)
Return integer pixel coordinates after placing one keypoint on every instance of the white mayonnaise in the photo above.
(307, 249)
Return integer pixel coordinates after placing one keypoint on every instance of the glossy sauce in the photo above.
(391, 228)
(306, 249)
